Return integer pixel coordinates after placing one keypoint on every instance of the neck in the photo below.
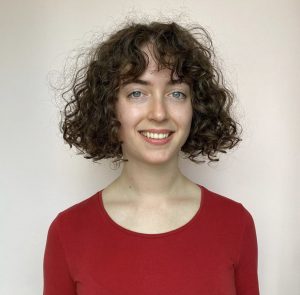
(146, 183)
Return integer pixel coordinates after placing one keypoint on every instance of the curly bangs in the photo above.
(88, 120)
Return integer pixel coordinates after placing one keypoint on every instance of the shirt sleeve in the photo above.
(246, 278)
(57, 278)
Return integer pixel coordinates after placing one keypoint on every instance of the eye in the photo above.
(178, 94)
(135, 94)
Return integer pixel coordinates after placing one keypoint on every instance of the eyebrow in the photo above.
(143, 82)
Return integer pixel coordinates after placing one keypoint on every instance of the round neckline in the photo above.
(152, 235)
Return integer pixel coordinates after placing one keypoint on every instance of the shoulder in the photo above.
(77, 215)
(226, 209)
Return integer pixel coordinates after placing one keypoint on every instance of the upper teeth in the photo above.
(156, 135)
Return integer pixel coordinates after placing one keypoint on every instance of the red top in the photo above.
(215, 253)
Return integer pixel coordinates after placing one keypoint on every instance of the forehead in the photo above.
(156, 76)
(152, 69)
(156, 72)
(153, 65)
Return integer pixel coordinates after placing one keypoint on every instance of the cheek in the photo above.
(128, 118)
(184, 116)
(189, 113)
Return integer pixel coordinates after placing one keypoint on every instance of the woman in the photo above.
(148, 93)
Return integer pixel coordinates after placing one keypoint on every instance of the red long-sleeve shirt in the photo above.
(215, 253)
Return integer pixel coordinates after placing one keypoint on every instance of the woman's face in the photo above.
(153, 102)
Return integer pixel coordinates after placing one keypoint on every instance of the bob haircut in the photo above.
(88, 119)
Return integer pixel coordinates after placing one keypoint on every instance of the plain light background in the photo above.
(258, 48)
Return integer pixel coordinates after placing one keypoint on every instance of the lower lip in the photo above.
(157, 141)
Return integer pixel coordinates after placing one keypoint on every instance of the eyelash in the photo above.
(181, 93)
(131, 94)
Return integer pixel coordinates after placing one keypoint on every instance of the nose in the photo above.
(158, 110)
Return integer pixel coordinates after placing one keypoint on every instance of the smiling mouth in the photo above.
(158, 136)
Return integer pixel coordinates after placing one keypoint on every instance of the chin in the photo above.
(156, 160)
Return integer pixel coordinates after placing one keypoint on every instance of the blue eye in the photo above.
(135, 94)
(178, 94)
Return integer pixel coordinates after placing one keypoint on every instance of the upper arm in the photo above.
(57, 277)
(246, 278)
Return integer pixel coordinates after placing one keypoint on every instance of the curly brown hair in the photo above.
(88, 120)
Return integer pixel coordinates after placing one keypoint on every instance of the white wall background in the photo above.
(258, 45)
